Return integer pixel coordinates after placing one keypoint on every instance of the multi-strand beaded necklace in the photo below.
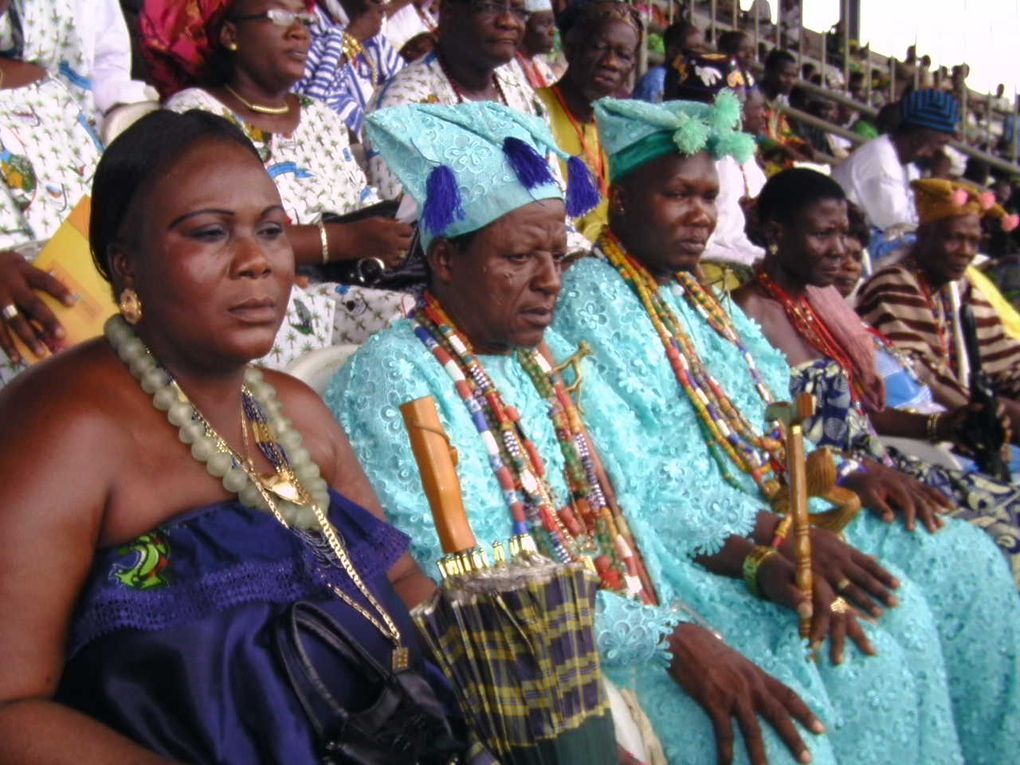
(729, 435)
(810, 327)
(589, 527)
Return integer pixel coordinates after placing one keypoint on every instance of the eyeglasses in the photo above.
(281, 18)
(492, 9)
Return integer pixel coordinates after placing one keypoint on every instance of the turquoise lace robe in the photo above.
(959, 621)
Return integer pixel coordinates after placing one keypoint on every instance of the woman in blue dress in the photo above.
(157, 598)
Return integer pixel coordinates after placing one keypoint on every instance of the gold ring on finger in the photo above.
(839, 606)
(10, 312)
(843, 584)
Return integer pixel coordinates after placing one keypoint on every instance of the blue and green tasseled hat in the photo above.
(636, 132)
(470, 164)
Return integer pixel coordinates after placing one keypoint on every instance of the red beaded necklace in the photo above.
(810, 326)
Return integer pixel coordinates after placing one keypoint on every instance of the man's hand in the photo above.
(727, 685)
(832, 617)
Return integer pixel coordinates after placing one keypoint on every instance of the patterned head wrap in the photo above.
(470, 164)
(179, 38)
(932, 109)
(636, 132)
(939, 198)
(538, 6)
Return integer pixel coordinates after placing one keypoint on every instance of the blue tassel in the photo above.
(529, 166)
(442, 201)
(583, 193)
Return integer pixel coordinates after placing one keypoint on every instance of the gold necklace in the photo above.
(258, 108)
(282, 485)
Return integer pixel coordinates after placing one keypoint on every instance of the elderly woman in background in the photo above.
(600, 42)
(189, 577)
(241, 59)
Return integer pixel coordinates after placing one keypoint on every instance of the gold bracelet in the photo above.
(324, 240)
(752, 563)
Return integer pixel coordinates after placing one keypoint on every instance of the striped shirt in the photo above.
(344, 86)
(895, 302)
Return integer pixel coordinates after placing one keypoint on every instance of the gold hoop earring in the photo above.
(773, 249)
(232, 47)
(130, 306)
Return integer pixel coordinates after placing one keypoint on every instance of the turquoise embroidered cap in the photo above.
(636, 132)
(470, 164)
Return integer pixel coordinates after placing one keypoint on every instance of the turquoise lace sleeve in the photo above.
(631, 634)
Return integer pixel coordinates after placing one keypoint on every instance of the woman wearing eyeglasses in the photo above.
(240, 59)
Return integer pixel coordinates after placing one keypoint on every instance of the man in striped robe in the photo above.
(916, 302)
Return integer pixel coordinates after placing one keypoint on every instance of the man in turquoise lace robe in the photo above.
(892, 707)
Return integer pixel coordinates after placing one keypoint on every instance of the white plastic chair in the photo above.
(317, 368)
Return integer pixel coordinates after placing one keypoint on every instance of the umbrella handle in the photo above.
(437, 460)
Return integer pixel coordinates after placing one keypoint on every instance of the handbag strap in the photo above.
(320, 706)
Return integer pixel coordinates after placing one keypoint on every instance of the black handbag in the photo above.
(405, 722)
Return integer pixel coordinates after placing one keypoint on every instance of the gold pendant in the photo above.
(401, 659)
(282, 488)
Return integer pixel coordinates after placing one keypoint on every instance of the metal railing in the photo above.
(808, 39)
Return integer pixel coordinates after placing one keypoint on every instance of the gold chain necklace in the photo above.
(258, 108)
(400, 658)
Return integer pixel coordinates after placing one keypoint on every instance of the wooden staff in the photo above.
(792, 417)
(437, 463)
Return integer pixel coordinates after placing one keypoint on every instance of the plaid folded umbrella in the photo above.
(516, 638)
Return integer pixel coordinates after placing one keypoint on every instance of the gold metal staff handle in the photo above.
(792, 417)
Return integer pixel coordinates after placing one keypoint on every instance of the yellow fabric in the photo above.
(1008, 314)
(567, 139)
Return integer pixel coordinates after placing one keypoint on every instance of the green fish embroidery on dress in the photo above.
(151, 558)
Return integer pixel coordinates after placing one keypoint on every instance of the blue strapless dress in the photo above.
(172, 644)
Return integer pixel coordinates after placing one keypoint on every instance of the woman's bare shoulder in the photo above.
(77, 392)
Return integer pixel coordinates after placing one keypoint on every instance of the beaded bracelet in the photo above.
(752, 563)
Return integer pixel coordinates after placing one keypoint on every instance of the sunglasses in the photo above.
(281, 18)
